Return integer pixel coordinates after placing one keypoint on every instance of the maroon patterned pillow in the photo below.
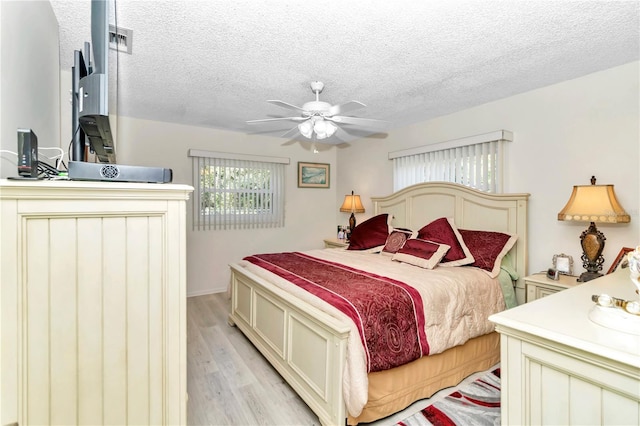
(370, 234)
(396, 240)
(425, 254)
(488, 248)
(444, 231)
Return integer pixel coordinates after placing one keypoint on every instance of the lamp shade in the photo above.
(594, 203)
(352, 204)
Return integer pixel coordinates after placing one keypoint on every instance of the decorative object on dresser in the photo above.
(352, 204)
(561, 367)
(593, 203)
(313, 175)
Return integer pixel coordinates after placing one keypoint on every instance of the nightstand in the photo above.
(335, 243)
(538, 285)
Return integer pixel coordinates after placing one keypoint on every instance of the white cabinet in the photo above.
(93, 303)
(560, 367)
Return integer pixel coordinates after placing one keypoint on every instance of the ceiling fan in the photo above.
(320, 120)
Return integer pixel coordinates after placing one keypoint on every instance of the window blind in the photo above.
(475, 162)
(237, 193)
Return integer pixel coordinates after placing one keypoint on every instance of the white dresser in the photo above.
(93, 302)
(560, 367)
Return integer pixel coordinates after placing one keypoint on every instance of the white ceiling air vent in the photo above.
(120, 40)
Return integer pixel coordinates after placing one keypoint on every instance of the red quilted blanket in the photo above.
(388, 313)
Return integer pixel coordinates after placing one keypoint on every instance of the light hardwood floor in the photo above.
(230, 383)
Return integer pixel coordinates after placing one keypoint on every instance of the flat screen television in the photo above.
(91, 88)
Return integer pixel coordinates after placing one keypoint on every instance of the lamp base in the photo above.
(352, 222)
(588, 276)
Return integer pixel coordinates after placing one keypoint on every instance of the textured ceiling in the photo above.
(215, 63)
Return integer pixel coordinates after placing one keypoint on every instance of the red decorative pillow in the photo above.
(444, 231)
(425, 254)
(488, 248)
(370, 234)
(396, 240)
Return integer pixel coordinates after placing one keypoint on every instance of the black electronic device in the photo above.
(27, 153)
(80, 170)
(90, 86)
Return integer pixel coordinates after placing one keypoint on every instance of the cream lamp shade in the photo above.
(595, 204)
(353, 204)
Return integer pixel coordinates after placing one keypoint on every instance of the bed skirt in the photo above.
(394, 390)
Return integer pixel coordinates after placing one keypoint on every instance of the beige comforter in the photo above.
(457, 301)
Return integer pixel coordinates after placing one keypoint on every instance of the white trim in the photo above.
(498, 135)
(233, 156)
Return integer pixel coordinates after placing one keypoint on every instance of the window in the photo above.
(235, 191)
(474, 161)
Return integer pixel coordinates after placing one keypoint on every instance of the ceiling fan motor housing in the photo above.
(315, 108)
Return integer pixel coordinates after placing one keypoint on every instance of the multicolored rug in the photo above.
(476, 403)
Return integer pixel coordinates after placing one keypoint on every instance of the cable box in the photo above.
(79, 170)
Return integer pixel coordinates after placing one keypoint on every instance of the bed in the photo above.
(308, 345)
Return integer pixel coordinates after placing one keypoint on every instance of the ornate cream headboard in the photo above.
(417, 205)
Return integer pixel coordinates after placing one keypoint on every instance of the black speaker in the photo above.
(27, 153)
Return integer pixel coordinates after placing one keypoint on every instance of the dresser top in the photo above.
(57, 189)
(563, 317)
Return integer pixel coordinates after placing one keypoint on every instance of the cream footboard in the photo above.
(307, 346)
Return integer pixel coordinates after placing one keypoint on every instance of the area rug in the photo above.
(476, 403)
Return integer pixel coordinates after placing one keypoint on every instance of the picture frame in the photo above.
(313, 175)
(621, 260)
(563, 263)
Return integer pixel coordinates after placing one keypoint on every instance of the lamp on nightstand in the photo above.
(352, 204)
(593, 203)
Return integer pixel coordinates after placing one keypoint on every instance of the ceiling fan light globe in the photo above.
(306, 129)
(320, 126)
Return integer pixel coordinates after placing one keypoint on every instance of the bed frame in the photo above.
(307, 346)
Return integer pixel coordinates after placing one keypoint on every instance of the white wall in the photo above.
(564, 134)
(29, 76)
(309, 212)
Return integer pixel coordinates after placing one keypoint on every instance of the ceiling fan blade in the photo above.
(285, 105)
(345, 107)
(365, 122)
(293, 132)
(265, 120)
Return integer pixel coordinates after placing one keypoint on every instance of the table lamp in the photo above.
(595, 204)
(352, 204)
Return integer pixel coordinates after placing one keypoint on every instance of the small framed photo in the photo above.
(313, 175)
(621, 260)
(563, 263)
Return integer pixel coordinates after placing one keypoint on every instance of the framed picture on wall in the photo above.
(313, 175)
